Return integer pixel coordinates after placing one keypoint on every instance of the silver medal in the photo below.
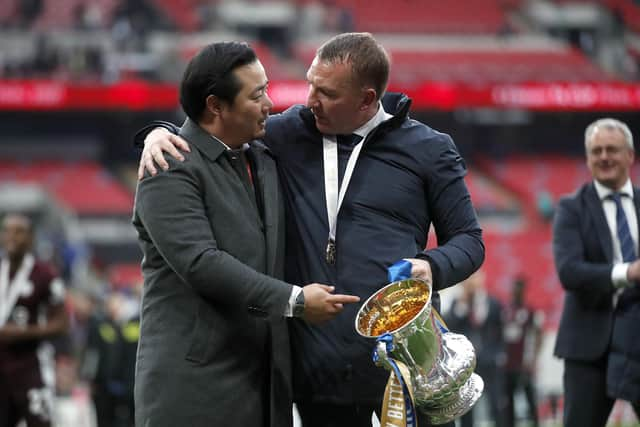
(331, 252)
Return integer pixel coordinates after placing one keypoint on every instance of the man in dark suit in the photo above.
(595, 241)
(363, 183)
(214, 348)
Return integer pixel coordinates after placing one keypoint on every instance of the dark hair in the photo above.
(369, 60)
(210, 72)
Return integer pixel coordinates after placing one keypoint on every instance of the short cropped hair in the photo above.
(610, 124)
(210, 72)
(369, 60)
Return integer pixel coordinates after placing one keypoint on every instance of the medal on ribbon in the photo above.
(331, 252)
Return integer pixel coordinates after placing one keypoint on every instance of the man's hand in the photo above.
(421, 269)
(156, 143)
(320, 304)
(633, 272)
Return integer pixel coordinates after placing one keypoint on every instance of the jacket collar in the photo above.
(208, 145)
(396, 104)
(378, 118)
(604, 192)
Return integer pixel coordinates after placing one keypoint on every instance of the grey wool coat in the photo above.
(214, 346)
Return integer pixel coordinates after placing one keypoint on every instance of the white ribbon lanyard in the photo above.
(10, 291)
(334, 195)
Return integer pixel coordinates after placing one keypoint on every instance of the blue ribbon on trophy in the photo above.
(404, 415)
(388, 410)
(399, 270)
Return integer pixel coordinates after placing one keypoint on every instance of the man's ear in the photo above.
(214, 105)
(368, 98)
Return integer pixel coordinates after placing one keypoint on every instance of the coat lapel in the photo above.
(266, 185)
(594, 205)
(217, 153)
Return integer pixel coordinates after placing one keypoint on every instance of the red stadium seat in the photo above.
(414, 66)
(85, 187)
(427, 16)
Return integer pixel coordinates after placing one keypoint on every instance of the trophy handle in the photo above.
(382, 358)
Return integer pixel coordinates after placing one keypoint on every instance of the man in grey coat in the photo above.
(214, 347)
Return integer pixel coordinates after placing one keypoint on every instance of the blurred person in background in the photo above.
(595, 247)
(109, 359)
(27, 12)
(73, 407)
(74, 404)
(523, 340)
(401, 175)
(214, 346)
(478, 315)
(31, 313)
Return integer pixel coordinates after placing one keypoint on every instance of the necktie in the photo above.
(349, 140)
(240, 164)
(624, 234)
(346, 143)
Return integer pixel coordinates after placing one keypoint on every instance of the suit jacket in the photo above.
(583, 253)
(213, 347)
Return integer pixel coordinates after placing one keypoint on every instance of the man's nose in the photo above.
(268, 102)
(312, 100)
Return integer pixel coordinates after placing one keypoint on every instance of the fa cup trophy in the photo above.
(435, 365)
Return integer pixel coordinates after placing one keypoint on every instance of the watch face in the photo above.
(298, 306)
(298, 310)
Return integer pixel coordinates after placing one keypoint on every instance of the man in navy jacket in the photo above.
(353, 209)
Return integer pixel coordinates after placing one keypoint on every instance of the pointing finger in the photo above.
(342, 299)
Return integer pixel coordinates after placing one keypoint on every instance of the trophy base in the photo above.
(468, 395)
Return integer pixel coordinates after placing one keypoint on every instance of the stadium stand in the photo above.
(427, 16)
(183, 13)
(485, 59)
(472, 43)
(488, 197)
(84, 187)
